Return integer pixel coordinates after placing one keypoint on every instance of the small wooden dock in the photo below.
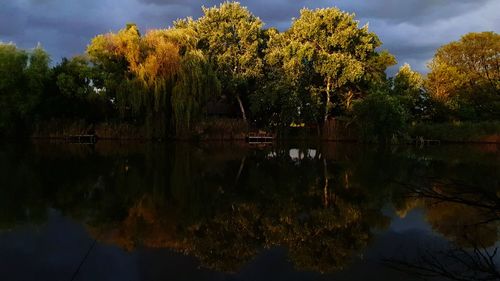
(81, 139)
(260, 138)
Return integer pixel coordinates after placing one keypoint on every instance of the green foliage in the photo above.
(375, 76)
(409, 87)
(13, 63)
(23, 78)
(71, 93)
(317, 68)
(277, 105)
(380, 118)
(329, 45)
(195, 85)
(231, 37)
(324, 63)
(408, 82)
(282, 98)
(485, 131)
(38, 75)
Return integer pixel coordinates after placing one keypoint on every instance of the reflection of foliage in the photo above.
(454, 264)
(16, 175)
(461, 212)
(277, 202)
(468, 216)
(224, 204)
(327, 240)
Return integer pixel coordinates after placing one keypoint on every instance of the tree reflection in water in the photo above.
(225, 214)
(469, 217)
(226, 203)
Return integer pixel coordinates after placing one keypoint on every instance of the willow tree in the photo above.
(153, 59)
(231, 37)
(148, 64)
(111, 53)
(329, 44)
(195, 84)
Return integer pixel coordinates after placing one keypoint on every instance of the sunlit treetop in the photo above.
(468, 65)
(407, 80)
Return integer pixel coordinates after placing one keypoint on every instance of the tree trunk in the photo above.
(242, 109)
(327, 105)
(350, 97)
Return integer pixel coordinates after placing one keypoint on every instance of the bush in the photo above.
(458, 131)
(380, 118)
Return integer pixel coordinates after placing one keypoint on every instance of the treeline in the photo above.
(324, 66)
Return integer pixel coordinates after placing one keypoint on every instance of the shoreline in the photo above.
(276, 140)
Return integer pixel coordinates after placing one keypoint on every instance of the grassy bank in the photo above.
(57, 129)
(484, 132)
(212, 129)
(237, 129)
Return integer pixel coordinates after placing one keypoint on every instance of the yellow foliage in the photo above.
(160, 59)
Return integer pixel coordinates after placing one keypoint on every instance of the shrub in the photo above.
(380, 118)
(486, 131)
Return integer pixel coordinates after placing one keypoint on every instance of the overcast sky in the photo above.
(410, 29)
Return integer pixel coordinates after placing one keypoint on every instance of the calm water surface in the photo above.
(131, 211)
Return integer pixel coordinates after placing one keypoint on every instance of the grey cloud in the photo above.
(416, 56)
(11, 23)
(170, 2)
(413, 11)
(65, 26)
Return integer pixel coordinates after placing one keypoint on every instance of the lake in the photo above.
(229, 211)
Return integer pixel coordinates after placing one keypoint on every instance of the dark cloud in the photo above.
(11, 23)
(413, 11)
(66, 26)
(410, 29)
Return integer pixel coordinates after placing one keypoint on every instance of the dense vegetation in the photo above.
(168, 81)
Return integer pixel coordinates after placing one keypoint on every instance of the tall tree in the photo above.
(71, 93)
(108, 52)
(23, 78)
(231, 37)
(409, 86)
(407, 81)
(144, 67)
(38, 74)
(195, 84)
(330, 44)
(283, 96)
(467, 72)
(13, 63)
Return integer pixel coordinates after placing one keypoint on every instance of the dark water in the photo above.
(231, 212)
